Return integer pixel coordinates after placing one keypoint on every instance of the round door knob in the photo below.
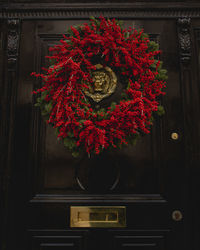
(177, 215)
(174, 136)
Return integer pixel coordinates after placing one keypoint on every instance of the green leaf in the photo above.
(44, 112)
(93, 18)
(48, 107)
(124, 95)
(69, 143)
(55, 69)
(160, 65)
(57, 131)
(153, 46)
(153, 65)
(151, 119)
(81, 123)
(160, 110)
(126, 35)
(119, 22)
(145, 35)
(113, 106)
(52, 61)
(43, 95)
(97, 23)
(163, 71)
(161, 77)
(70, 134)
(132, 139)
(37, 104)
(38, 100)
(75, 154)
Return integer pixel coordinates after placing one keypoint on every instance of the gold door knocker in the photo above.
(104, 83)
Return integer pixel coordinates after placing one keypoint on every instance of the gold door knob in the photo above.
(177, 215)
(174, 136)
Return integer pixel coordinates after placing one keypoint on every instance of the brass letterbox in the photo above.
(98, 216)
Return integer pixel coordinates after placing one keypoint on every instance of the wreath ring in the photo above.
(68, 85)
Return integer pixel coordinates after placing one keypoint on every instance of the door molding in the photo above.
(85, 10)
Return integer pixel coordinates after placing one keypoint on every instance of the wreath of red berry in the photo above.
(64, 98)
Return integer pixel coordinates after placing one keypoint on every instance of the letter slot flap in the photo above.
(98, 216)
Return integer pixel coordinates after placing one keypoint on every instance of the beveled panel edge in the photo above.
(109, 198)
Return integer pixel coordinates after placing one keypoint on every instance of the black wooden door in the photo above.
(149, 179)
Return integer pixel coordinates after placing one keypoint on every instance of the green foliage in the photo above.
(151, 119)
(44, 112)
(132, 139)
(52, 61)
(160, 110)
(153, 65)
(129, 85)
(70, 33)
(120, 23)
(124, 95)
(75, 154)
(113, 106)
(81, 123)
(70, 134)
(41, 99)
(45, 107)
(144, 35)
(96, 21)
(55, 69)
(57, 131)
(126, 35)
(48, 107)
(153, 46)
(162, 74)
(102, 110)
(69, 143)
(101, 114)
(37, 104)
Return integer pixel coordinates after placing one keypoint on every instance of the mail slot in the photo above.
(98, 216)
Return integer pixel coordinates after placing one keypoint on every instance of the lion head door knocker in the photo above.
(104, 83)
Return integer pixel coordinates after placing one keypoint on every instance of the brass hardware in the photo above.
(93, 216)
(174, 136)
(177, 215)
(104, 83)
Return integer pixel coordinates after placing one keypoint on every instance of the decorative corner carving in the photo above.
(184, 39)
(13, 42)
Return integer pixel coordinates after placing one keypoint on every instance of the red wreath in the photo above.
(126, 51)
